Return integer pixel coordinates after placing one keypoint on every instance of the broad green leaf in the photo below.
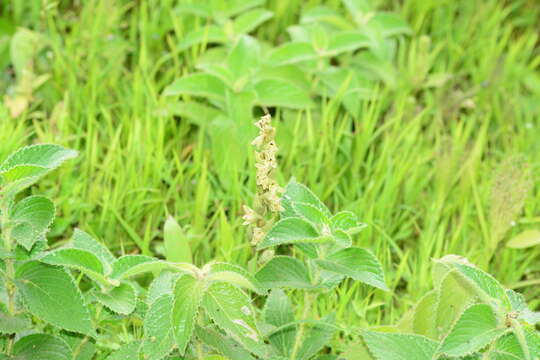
(278, 312)
(158, 329)
(292, 53)
(188, 293)
(230, 308)
(280, 93)
(129, 351)
(33, 216)
(285, 272)
(27, 165)
(207, 35)
(81, 346)
(452, 302)
(50, 294)
(177, 247)
(12, 324)
(121, 299)
(356, 263)
(519, 305)
(243, 279)
(347, 221)
(42, 347)
(296, 192)
(316, 338)
(347, 41)
(356, 351)
(200, 84)
(132, 265)
(477, 327)
(390, 346)
(244, 59)
(163, 284)
(310, 212)
(82, 240)
(222, 344)
(292, 231)
(509, 348)
(250, 20)
(425, 316)
(524, 240)
(342, 239)
(78, 259)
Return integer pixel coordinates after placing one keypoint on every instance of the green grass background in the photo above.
(417, 168)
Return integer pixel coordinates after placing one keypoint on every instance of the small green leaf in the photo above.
(278, 312)
(244, 278)
(519, 305)
(230, 308)
(42, 347)
(347, 41)
(425, 315)
(50, 294)
(163, 284)
(292, 53)
(222, 344)
(390, 346)
(81, 346)
(132, 265)
(477, 327)
(188, 293)
(121, 299)
(204, 85)
(244, 57)
(452, 301)
(177, 247)
(250, 20)
(356, 263)
(158, 329)
(296, 192)
(273, 92)
(12, 324)
(82, 240)
(310, 212)
(33, 216)
(292, 231)
(129, 351)
(524, 240)
(348, 222)
(284, 272)
(317, 337)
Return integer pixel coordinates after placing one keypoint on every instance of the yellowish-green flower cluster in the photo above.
(268, 190)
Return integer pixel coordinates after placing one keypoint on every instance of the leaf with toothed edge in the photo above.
(222, 343)
(389, 346)
(293, 230)
(188, 293)
(121, 299)
(33, 216)
(296, 192)
(42, 347)
(284, 272)
(83, 241)
(158, 329)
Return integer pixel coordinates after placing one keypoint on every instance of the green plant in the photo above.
(468, 315)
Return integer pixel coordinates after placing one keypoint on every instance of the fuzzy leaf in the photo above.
(243, 278)
(286, 272)
(222, 344)
(347, 221)
(296, 192)
(278, 312)
(205, 85)
(50, 294)
(519, 305)
(129, 351)
(316, 338)
(132, 265)
(310, 212)
(42, 347)
(121, 299)
(477, 327)
(81, 347)
(356, 263)
(13, 324)
(177, 248)
(292, 231)
(82, 240)
(230, 308)
(33, 216)
(425, 315)
(188, 293)
(163, 284)
(389, 346)
(158, 329)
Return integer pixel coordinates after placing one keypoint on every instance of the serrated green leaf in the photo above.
(42, 347)
(286, 272)
(292, 53)
(223, 344)
(27, 165)
(278, 312)
(292, 231)
(342, 239)
(425, 316)
(121, 299)
(204, 85)
(132, 265)
(188, 293)
(296, 192)
(163, 284)
(82, 240)
(347, 221)
(158, 329)
(50, 294)
(310, 212)
(177, 247)
(316, 338)
(391, 346)
(519, 305)
(524, 240)
(129, 351)
(81, 346)
(33, 216)
(507, 348)
(250, 20)
(12, 324)
(246, 280)
(230, 308)
(358, 264)
(477, 327)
